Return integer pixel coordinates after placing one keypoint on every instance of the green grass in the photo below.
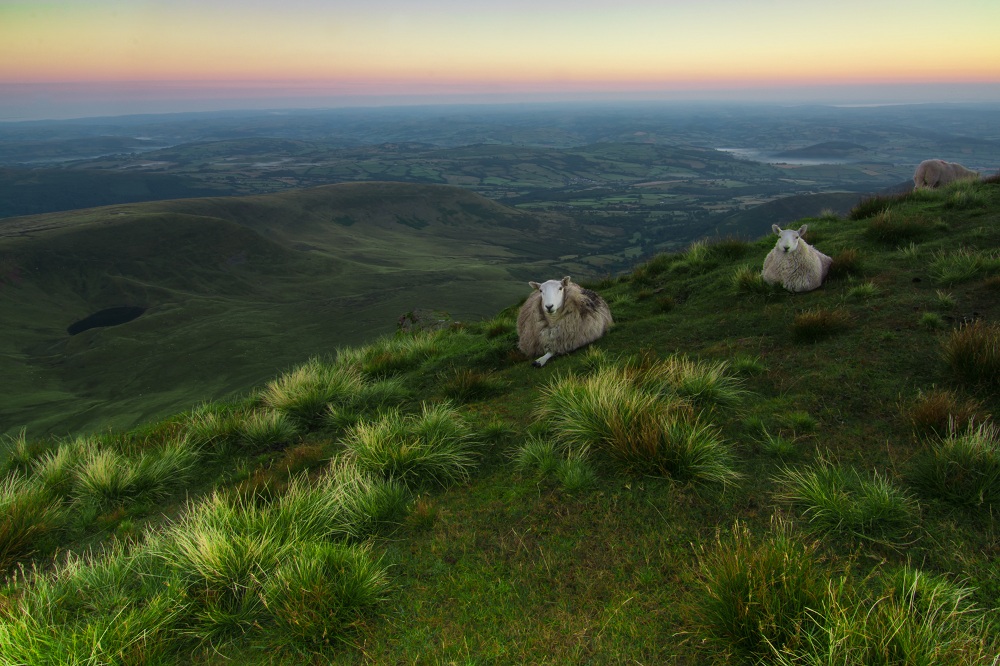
(667, 496)
(962, 467)
(756, 598)
(973, 352)
(27, 513)
(433, 447)
(622, 414)
(838, 499)
(951, 267)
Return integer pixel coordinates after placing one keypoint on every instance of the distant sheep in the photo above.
(795, 264)
(938, 173)
(558, 317)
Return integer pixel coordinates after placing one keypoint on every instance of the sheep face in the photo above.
(553, 293)
(788, 239)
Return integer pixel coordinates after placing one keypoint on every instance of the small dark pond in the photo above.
(108, 317)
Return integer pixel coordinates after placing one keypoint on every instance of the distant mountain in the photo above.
(233, 290)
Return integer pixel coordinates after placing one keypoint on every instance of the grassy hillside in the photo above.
(236, 290)
(734, 474)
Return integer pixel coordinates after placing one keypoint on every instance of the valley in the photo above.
(251, 241)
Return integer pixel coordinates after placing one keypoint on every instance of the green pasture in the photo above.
(734, 474)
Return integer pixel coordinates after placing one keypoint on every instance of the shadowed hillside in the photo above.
(236, 289)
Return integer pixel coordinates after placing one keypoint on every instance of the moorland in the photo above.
(227, 231)
(733, 475)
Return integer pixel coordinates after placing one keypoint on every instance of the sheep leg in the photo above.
(542, 360)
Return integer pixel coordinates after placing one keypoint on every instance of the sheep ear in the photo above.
(565, 281)
(534, 285)
(803, 229)
(776, 229)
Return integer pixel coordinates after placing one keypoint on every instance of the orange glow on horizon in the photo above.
(637, 45)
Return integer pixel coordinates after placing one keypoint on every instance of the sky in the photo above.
(69, 58)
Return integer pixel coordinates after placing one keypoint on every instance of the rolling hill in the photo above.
(734, 474)
(234, 289)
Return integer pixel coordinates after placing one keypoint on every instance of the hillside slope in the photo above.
(734, 474)
(234, 289)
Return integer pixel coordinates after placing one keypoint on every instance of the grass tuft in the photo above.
(470, 385)
(305, 392)
(749, 281)
(863, 291)
(435, 446)
(939, 411)
(756, 597)
(575, 473)
(27, 513)
(931, 321)
(846, 263)
(962, 467)
(264, 429)
(819, 323)
(964, 265)
(889, 227)
(314, 596)
(539, 455)
(20, 453)
(838, 499)
(908, 618)
(622, 414)
(973, 353)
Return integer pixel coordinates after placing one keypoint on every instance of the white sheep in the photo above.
(938, 173)
(558, 317)
(794, 263)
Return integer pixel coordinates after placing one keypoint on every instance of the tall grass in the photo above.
(909, 618)
(305, 392)
(317, 593)
(27, 513)
(963, 265)
(772, 600)
(748, 281)
(704, 384)
(106, 478)
(964, 194)
(973, 352)
(838, 499)
(214, 426)
(18, 453)
(757, 597)
(962, 467)
(819, 323)
(240, 562)
(888, 227)
(940, 411)
(116, 606)
(436, 446)
(391, 355)
(262, 429)
(620, 413)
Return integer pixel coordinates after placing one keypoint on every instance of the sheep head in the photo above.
(788, 239)
(553, 292)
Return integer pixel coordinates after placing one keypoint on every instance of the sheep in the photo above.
(794, 263)
(938, 173)
(558, 317)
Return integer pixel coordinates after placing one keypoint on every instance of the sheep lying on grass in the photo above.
(794, 263)
(938, 173)
(558, 317)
